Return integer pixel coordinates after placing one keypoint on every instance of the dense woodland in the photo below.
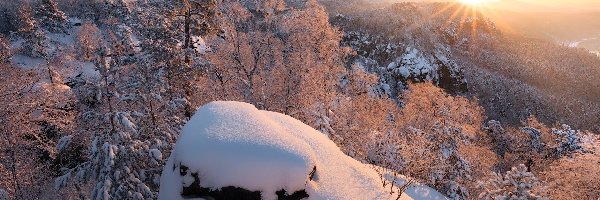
(94, 93)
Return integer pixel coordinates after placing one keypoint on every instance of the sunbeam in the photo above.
(475, 2)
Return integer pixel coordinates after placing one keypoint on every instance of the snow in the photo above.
(27, 62)
(234, 144)
(74, 20)
(200, 45)
(416, 63)
(3, 194)
(404, 72)
(136, 43)
(574, 44)
(72, 66)
(155, 156)
(64, 142)
(413, 64)
(125, 122)
(87, 69)
(62, 39)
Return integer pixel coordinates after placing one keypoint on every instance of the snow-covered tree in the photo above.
(36, 42)
(569, 141)
(452, 170)
(111, 11)
(535, 141)
(33, 116)
(264, 58)
(139, 107)
(517, 183)
(384, 151)
(125, 156)
(198, 21)
(172, 31)
(358, 114)
(500, 139)
(50, 16)
(323, 122)
(89, 40)
(121, 40)
(439, 133)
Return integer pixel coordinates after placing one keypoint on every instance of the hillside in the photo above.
(99, 100)
(514, 77)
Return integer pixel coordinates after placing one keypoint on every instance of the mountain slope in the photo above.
(514, 77)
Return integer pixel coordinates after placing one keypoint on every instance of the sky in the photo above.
(541, 5)
(562, 4)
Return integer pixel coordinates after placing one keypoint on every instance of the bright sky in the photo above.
(564, 2)
(546, 4)
(584, 4)
(533, 5)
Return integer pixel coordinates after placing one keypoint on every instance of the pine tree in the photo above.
(51, 17)
(139, 108)
(125, 154)
(569, 141)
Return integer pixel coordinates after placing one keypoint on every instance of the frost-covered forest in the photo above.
(94, 94)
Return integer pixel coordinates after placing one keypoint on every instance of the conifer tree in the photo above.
(139, 108)
(124, 157)
(569, 141)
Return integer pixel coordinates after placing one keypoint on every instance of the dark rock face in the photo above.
(226, 193)
(236, 193)
(195, 190)
(283, 195)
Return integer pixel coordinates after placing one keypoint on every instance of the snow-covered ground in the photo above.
(235, 144)
(58, 42)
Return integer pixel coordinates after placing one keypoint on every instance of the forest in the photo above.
(94, 94)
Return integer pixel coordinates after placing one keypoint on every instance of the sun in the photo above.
(475, 2)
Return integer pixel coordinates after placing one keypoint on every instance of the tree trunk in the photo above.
(188, 39)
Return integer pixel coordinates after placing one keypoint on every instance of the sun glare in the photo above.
(475, 2)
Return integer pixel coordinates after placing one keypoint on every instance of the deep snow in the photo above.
(234, 144)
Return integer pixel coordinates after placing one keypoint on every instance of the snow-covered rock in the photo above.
(234, 144)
